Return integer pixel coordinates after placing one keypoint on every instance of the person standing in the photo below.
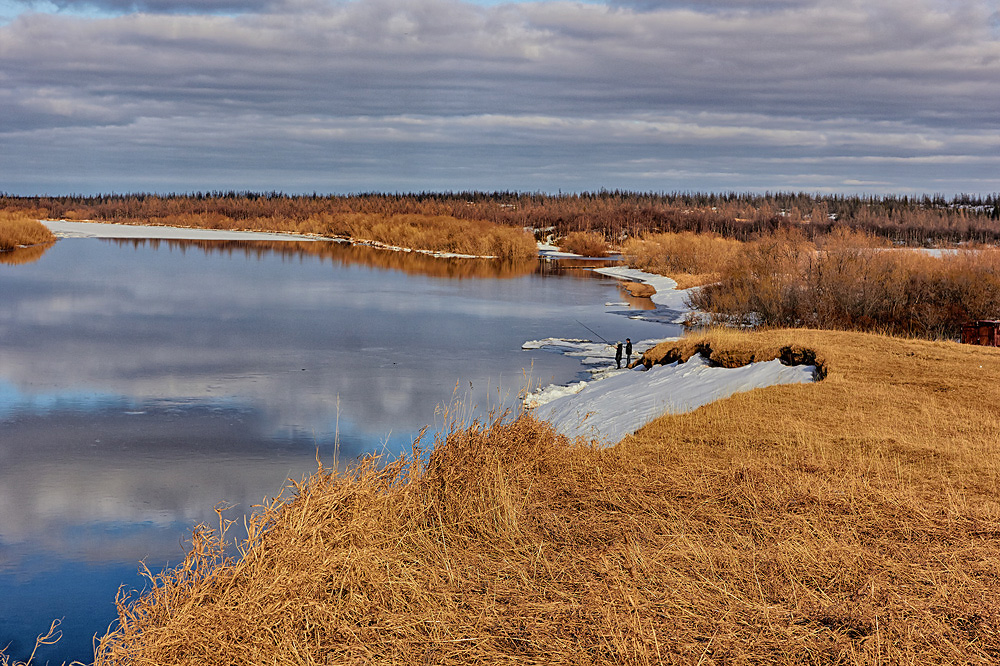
(618, 355)
(628, 351)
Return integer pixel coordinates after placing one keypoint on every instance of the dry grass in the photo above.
(850, 283)
(22, 229)
(585, 243)
(690, 259)
(851, 521)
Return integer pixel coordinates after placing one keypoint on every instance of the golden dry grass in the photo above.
(690, 259)
(851, 521)
(850, 283)
(22, 229)
(585, 243)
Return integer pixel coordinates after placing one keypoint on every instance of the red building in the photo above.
(982, 332)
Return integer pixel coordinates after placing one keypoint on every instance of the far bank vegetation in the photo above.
(617, 215)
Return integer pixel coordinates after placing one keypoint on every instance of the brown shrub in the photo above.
(686, 255)
(585, 243)
(780, 280)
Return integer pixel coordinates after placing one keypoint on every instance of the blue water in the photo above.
(143, 383)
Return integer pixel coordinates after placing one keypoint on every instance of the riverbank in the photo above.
(19, 231)
(850, 520)
(437, 235)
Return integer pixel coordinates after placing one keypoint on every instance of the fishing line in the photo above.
(591, 330)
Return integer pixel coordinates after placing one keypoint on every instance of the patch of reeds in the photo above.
(846, 283)
(690, 259)
(849, 521)
(585, 243)
(20, 229)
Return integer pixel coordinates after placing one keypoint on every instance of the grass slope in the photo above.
(855, 520)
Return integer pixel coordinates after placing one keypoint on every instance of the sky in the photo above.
(328, 96)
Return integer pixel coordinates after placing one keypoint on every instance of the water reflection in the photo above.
(345, 253)
(142, 382)
(24, 255)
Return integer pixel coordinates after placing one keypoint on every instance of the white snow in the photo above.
(667, 294)
(606, 411)
(67, 229)
(597, 357)
(615, 403)
(549, 250)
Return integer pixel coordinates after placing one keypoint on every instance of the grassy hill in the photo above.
(854, 520)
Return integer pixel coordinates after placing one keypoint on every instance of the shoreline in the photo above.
(615, 402)
(109, 230)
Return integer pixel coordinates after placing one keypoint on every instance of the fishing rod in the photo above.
(591, 330)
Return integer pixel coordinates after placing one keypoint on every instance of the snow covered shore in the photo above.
(67, 229)
(618, 405)
(616, 402)
(667, 295)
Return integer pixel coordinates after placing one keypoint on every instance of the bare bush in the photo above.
(585, 243)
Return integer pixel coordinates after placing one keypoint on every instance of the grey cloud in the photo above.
(156, 6)
(343, 74)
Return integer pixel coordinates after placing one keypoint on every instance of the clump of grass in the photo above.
(784, 280)
(585, 243)
(852, 520)
(18, 230)
(690, 259)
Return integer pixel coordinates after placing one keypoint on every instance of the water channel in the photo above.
(143, 382)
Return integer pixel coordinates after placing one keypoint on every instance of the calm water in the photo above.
(142, 383)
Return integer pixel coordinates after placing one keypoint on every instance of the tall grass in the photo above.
(850, 521)
(19, 229)
(784, 280)
(691, 259)
(585, 243)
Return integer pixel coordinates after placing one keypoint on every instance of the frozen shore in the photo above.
(68, 229)
(616, 403)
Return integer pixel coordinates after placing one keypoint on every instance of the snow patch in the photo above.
(667, 294)
(67, 229)
(608, 410)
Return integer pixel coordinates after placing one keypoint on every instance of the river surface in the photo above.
(144, 382)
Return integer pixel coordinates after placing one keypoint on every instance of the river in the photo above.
(144, 382)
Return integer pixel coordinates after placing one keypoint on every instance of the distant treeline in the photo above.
(916, 220)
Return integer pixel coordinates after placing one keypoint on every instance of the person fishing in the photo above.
(618, 355)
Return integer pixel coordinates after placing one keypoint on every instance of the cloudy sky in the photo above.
(877, 96)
